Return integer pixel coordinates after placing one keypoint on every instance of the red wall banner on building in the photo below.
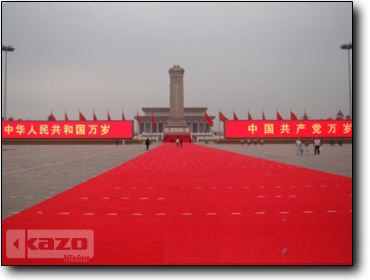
(288, 129)
(67, 129)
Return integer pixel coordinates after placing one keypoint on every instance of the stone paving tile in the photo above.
(332, 159)
(33, 173)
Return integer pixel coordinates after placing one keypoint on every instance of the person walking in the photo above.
(242, 142)
(317, 146)
(147, 143)
(177, 142)
(180, 142)
(340, 142)
(255, 142)
(248, 142)
(298, 145)
(307, 146)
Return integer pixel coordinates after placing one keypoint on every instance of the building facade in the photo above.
(194, 117)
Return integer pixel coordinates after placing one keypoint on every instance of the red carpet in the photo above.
(198, 205)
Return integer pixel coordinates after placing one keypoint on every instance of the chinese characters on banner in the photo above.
(288, 129)
(67, 129)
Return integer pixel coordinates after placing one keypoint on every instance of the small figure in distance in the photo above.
(317, 146)
(298, 145)
(147, 143)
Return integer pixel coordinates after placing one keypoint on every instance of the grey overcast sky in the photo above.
(99, 56)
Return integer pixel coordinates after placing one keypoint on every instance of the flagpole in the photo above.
(219, 130)
(138, 126)
(151, 124)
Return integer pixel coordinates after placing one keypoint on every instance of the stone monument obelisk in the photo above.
(176, 123)
(176, 95)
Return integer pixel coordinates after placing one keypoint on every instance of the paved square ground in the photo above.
(332, 159)
(34, 173)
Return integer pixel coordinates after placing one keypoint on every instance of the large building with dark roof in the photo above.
(194, 117)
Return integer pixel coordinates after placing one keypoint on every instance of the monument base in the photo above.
(172, 132)
(176, 129)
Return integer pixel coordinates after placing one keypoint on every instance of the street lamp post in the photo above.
(6, 49)
(349, 47)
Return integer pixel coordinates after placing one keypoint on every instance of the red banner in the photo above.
(67, 129)
(288, 129)
(153, 122)
(222, 117)
(208, 119)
